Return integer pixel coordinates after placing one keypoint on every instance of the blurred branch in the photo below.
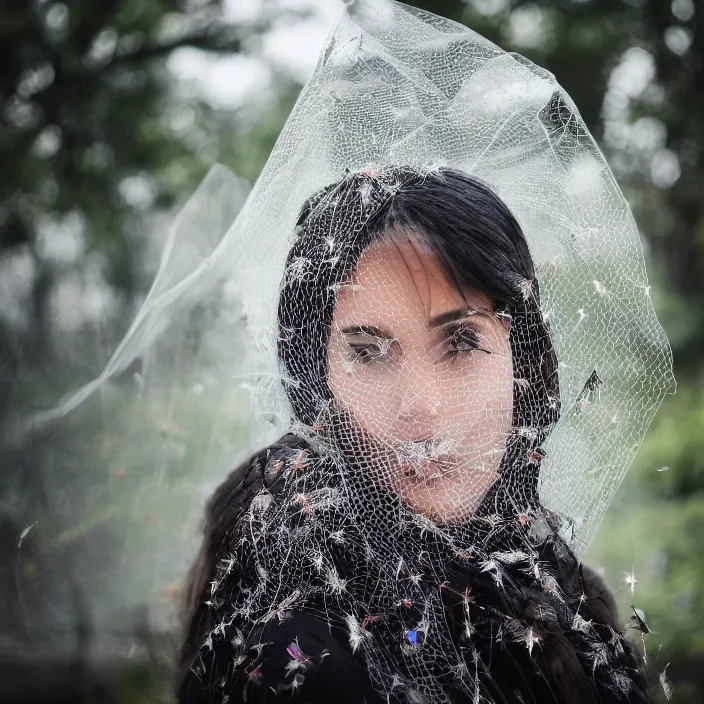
(219, 38)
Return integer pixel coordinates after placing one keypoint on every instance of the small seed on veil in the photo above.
(523, 385)
(526, 287)
(302, 500)
(294, 650)
(370, 619)
(630, 580)
(531, 639)
(600, 288)
(535, 455)
(300, 462)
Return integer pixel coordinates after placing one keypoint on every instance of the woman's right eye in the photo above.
(365, 353)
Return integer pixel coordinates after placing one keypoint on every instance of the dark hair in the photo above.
(478, 242)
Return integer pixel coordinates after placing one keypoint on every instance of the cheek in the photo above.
(344, 382)
(501, 384)
(480, 402)
(360, 392)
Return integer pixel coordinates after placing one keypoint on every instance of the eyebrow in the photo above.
(369, 330)
(451, 316)
(438, 321)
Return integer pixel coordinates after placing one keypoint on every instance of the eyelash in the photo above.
(361, 353)
(464, 335)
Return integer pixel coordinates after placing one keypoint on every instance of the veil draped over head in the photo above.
(405, 106)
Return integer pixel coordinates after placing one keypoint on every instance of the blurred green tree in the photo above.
(94, 139)
(88, 130)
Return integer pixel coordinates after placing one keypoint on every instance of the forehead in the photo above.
(401, 273)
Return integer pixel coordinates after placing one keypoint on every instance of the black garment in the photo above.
(334, 675)
(331, 674)
(302, 651)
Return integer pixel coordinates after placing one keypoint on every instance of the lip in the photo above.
(431, 471)
(426, 471)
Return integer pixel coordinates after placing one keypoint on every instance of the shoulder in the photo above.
(311, 657)
(258, 470)
(260, 474)
(302, 658)
(578, 581)
(234, 496)
(224, 515)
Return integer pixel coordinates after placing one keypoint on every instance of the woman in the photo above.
(415, 535)
(394, 546)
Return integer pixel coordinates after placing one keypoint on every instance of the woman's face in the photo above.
(425, 372)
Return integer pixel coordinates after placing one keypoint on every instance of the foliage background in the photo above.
(104, 129)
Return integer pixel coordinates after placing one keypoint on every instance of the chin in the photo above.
(435, 504)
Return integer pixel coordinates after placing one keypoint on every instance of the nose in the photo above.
(421, 402)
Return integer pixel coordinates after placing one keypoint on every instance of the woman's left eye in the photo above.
(463, 340)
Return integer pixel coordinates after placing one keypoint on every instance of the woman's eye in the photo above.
(463, 340)
(366, 353)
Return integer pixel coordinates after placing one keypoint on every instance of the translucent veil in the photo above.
(399, 86)
(404, 428)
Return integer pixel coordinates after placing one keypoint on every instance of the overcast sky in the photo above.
(291, 47)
